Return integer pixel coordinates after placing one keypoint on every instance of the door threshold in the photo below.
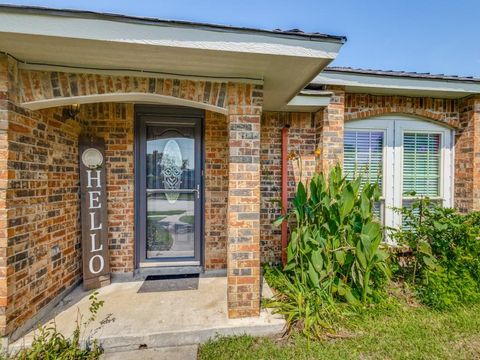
(142, 273)
(158, 264)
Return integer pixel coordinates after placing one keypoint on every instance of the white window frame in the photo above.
(394, 128)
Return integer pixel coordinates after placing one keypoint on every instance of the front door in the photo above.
(169, 192)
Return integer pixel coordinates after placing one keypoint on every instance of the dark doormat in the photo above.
(159, 283)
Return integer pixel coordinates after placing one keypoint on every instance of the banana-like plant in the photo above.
(335, 240)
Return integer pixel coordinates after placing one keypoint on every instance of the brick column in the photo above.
(8, 100)
(243, 243)
(329, 123)
(4, 115)
(467, 156)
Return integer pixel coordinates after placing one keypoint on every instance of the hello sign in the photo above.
(96, 268)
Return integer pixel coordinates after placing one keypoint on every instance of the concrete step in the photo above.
(177, 338)
(131, 319)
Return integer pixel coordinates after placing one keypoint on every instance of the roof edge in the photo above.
(87, 14)
(400, 74)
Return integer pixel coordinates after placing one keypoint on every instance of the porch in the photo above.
(133, 319)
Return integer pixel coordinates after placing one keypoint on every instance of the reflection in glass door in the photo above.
(172, 191)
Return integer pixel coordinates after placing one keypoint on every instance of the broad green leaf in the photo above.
(340, 256)
(365, 206)
(361, 255)
(372, 229)
(348, 200)
(313, 275)
(430, 262)
(317, 260)
(424, 247)
(278, 221)
(366, 246)
(439, 226)
(381, 255)
(351, 299)
(301, 194)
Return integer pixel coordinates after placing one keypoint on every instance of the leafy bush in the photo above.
(49, 344)
(334, 253)
(158, 236)
(445, 254)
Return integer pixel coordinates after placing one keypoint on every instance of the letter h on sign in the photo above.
(96, 269)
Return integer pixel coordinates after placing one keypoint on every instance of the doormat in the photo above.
(160, 283)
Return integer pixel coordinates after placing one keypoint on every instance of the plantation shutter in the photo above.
(421, 164)
(363, 155)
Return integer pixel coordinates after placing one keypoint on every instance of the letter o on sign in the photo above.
(100, 268)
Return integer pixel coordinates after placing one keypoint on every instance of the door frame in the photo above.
(181, 115)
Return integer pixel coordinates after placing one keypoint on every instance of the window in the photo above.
(421, 164)
(363, 154)
(409, 157)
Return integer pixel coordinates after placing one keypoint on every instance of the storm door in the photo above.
(170, 190)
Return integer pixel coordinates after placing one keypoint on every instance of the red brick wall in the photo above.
(243, 213)
(467, 155)
(216, 190)
(51, 86)
(361, 106)
(43, 211)
(114, 122)
(301, 144)
(7, 72)
(44, 256)
(329, 125)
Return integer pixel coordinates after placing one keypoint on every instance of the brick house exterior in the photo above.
(40, 227)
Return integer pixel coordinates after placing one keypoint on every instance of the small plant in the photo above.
(334, 254)
(443, 261)
(158, 236)
(49, 344)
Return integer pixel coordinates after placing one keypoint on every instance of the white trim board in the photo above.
(391, 85)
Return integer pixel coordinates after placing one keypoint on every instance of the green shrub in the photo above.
(445, 251)
(334, 253)
(158, 236)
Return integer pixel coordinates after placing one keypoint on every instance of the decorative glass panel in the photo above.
(171, 192)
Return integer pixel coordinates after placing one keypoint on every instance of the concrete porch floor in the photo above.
(130, 320)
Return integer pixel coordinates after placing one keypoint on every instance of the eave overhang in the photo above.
(309, 101)
(386, 84)
(89, 42)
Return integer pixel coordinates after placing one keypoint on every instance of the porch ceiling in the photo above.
(283, 62)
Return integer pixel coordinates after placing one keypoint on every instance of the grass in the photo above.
(156, 217)
(399, 332)
(166, 213)
(188, 219)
